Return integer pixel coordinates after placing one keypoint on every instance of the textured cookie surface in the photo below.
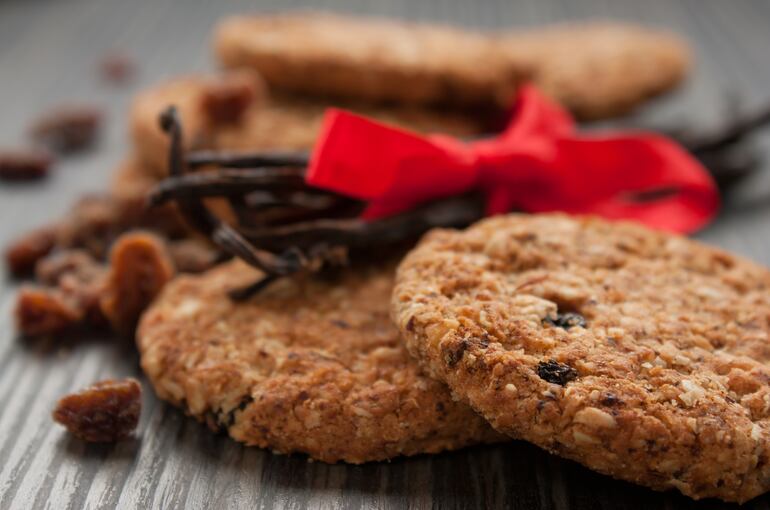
(660, 379)
(372, 59)
(268, 121)
(600, 70)
(307, 366)
(597, 70)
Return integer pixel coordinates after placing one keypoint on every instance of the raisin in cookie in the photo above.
(639, 354)
(311, 366)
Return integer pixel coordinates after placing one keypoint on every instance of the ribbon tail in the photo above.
(640, 177)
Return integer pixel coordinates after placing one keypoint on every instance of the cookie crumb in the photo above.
(692, 393)
(595, 417)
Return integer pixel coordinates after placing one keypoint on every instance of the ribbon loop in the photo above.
(539, 163)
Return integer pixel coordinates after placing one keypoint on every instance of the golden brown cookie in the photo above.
(306, 366)
(601, 70)
(271, 122)
(596, 70)
(375, 60)
(639, 354)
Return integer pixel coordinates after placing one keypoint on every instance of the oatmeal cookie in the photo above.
(266, 122)
(639, 354)
(602, 69)
(597, 70)
(376, 60)
(311, 366)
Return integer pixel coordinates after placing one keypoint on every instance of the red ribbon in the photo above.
(539, 163)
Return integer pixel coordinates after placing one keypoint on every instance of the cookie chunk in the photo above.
(311, 366)
(272, 122)
(597, 70)
(373, 59)
(639, 354)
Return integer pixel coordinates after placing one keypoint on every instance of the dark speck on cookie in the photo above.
(555, 372)
(566, 320)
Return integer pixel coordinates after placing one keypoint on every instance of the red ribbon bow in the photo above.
(539, 163)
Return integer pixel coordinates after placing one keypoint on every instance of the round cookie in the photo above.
(597, 70)
(375, 60)
(639, 354)
(307, 366)
(189, 95)
(601, 70)
(264, 122)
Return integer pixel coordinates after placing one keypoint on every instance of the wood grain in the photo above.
(48, 54)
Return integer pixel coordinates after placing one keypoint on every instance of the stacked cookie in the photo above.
(638, 354)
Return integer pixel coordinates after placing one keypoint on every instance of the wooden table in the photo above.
(48, 54)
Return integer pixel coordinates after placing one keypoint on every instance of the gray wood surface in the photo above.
(48, 55)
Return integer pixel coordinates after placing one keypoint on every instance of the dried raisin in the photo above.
(103, 412)
(139, 268)
(45, 311)
(67, 129)
(225, 101)
(22, 255)
(566, 320)
(19, 165)
(117, 68)
(555, 372)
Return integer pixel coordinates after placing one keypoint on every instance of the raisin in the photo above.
(225, 101)
(92, 224)
(52, 269)
(23, 254)
(45, 311)
(139, 268)
(610, 399)
(117, 68)
(566, 320)
(67, 129)
(340, 324)
(453, 354)
(103, 412)
(82, 280)
(227, 419)
(24, 165)
(555, 372)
